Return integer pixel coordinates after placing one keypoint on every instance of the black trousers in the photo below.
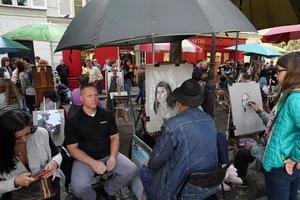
(242, 160)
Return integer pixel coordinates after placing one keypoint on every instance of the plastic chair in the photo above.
(206, 179)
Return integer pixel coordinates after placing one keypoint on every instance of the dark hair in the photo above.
(290, 62)
(83, 79)
(3, 60)
(20, 66)
(25, 58)
(170, 101)
(10, 123)
(87, 85)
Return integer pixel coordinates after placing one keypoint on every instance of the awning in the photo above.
(187, 46)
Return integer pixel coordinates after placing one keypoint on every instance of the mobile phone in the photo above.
(39, 175)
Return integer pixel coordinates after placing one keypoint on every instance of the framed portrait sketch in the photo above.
(159, 83)
(53, 121)
(245, 120)
(119, 80)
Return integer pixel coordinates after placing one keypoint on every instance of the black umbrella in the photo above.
(130, 22)
(270, 13)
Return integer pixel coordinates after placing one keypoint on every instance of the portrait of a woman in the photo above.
(164, 105)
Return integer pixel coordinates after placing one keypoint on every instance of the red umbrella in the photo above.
(282, 34)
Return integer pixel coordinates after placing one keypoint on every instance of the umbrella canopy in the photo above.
(276, 48)
(38, 32)
(186, 45)
(115, 22)
(282, 34)
(270, 13)
(255, 48)
(10, 46)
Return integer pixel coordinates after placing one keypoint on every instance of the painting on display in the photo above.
(160, 82)
(245, 120)
(140, 155)
(53, 121)
(119, 80)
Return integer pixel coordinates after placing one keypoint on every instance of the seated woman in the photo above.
(25, 152)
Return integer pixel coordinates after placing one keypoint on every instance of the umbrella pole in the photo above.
(51, 52)
(236, 49)
(209, 103)
(153, 53)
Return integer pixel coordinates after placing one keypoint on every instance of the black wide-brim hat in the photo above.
(189, 93)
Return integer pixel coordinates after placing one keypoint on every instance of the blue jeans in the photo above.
(127, 85)
(280, 185)
(146, 179)
(141, 94)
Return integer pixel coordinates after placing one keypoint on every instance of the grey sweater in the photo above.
(39, 155)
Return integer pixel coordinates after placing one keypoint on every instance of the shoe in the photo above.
(226, 187)
(232, 176)
(244, 184)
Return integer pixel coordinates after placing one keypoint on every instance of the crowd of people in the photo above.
(188, 142)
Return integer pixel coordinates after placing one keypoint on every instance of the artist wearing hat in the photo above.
(187, 144)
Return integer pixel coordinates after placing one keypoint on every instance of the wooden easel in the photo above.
(43, 81)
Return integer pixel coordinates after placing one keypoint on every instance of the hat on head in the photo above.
(189, 93)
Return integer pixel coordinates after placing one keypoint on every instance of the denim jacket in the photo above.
(188, 143)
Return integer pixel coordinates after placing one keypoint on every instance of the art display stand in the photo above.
(43, 81)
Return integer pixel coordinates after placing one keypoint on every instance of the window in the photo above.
(27, 3)
(77, 6)
(15, 2)
(143, 57)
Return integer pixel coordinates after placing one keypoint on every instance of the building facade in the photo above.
(17, 13)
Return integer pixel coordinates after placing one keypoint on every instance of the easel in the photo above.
(141, 116)
(122, 97)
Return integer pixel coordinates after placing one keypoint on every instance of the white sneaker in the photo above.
(226, 187)
(232, 176)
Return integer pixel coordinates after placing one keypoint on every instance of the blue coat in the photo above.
(284, 141)
(188, 143)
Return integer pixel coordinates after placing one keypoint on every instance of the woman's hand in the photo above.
(289, 166)
(51, 167)
(254, 106)
(24, 179)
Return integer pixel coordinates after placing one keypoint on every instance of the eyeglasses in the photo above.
(280, 70)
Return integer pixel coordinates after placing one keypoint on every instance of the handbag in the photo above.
(38, 190)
